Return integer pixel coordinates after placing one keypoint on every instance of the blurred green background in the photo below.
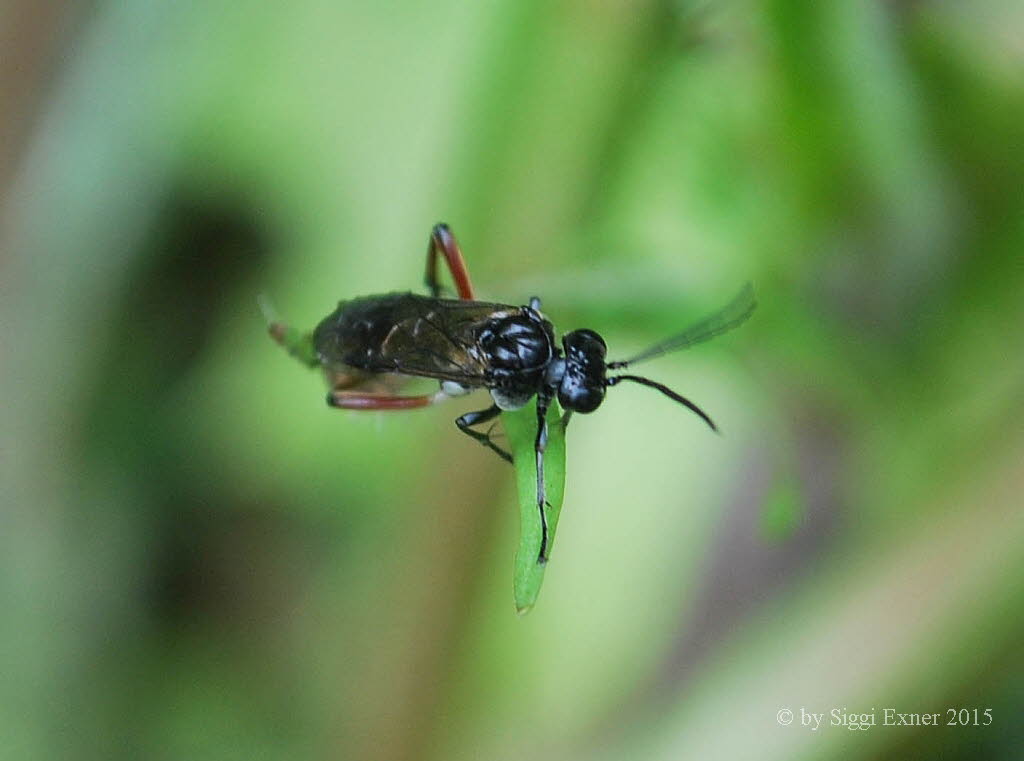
(200, 560)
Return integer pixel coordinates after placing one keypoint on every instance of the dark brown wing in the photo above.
(409, 334)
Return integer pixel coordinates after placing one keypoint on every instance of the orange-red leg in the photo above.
(442, 239)
(363, 400)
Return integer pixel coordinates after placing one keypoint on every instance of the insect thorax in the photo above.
(508, 399)
(518, 348)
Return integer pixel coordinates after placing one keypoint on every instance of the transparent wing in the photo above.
(730, 316)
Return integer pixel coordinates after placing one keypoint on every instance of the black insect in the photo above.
(368, 344)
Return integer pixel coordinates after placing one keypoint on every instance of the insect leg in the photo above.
(475, 418)
(539, 445)
(442, 239)
(295, 342)
(364, 400)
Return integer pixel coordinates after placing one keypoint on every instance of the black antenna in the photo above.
(730, 316)
(667, 392)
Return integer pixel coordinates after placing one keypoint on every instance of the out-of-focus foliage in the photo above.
(200, 560)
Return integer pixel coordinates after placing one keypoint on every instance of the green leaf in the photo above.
(521, 429)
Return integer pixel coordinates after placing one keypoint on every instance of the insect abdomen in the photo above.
(354, 333)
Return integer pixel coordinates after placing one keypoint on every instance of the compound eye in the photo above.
(580, 398)
(584, 345)
(589, 337)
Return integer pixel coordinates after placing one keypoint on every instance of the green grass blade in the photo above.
(521, 428)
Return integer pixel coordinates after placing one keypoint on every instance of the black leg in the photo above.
(475, 418)
(539, 445)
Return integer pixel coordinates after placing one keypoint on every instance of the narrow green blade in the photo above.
(521, 429)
